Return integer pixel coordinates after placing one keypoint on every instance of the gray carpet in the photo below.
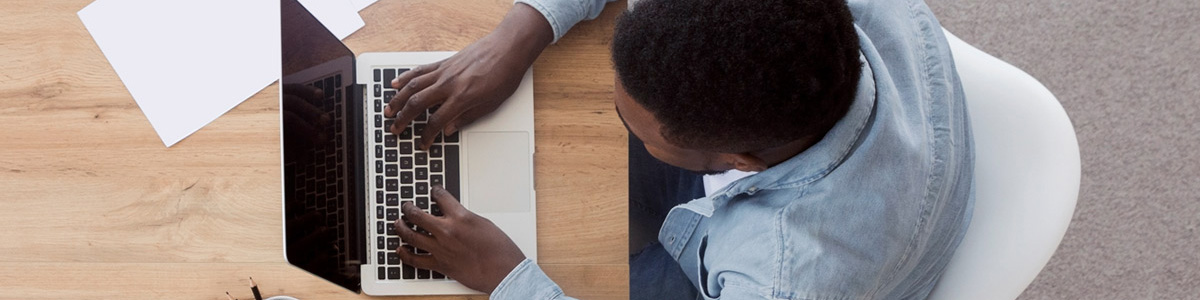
(1127, 72)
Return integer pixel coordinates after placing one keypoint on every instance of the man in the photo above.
(850, 117)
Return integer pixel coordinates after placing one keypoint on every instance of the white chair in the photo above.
(1026, 178)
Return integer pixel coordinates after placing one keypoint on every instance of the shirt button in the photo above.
(670, 240)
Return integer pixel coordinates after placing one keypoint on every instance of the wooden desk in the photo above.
(92, 206)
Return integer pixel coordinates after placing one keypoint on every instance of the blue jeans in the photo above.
(654, 188)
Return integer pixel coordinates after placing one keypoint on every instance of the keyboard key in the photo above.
(379, 212)
(422, 274)
(389, 141)
(379, 241)
(388, 95)
(378, 105)
(422, 158)
(435, 166)
(422, 189)
(401, 71)
(422, 173)
(393, 243)
(378, 136)
(379, 227)
(406, 163)
(437, 275)
(379, 197)
(393, 214)
(388, 75)
(378, 75)
(406, 147)
(394, 273)
(419, 129)
(388, 123)
(406, 134)
(423, 202)
(452, 170)
(378, 90)
(390, 156)
(409, 272)
(406, 177)
(378, 151)
(391, 170)
(382, 273)
(435, 209)
(436, 180)
(378, 166)
(392, 185)
(435, 151)
(453, 138)
(393, 200)
(393, 259)
(378, 181)
(378, 121)
(406, 192)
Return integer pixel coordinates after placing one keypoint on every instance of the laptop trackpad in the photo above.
(500, 173)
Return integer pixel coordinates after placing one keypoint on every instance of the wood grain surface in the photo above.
(92, 206)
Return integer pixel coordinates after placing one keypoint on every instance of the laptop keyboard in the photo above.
(402, 173)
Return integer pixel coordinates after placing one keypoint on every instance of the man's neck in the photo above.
(776, 155)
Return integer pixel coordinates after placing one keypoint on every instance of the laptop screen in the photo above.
(320, 149)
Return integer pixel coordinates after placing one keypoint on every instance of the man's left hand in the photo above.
(461, 244)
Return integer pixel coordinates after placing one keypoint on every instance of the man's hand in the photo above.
(473, 82)
(461, 244)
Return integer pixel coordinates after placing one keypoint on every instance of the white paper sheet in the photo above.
(187, 62)
(361, 4)
(339, 16)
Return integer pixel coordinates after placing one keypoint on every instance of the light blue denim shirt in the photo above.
(872, 211)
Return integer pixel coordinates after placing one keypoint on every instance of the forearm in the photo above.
(527, 32)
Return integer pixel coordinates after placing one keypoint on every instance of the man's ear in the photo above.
(745, 162)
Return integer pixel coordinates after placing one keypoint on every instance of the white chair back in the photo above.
(1027, 172)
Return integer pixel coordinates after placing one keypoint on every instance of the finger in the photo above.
(417, 104)
(421, 218)
(449, 204)
(416, 260)
(407, 84)
(468, 117)
(414, 238)
(447, 113)
(403, 78)
(312, 94)
(305, 110)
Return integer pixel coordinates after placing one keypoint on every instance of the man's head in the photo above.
(712, 85)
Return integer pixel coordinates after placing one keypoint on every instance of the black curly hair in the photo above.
(735, 76)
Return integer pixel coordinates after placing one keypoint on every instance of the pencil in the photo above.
(227, 295)
(254, 289)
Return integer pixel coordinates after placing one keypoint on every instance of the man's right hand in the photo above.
(473, 82)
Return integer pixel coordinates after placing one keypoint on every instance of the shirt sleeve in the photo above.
(564, 14)
(527, 281)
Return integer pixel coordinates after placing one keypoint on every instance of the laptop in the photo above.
(345, 174)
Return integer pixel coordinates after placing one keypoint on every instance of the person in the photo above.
(848, 117)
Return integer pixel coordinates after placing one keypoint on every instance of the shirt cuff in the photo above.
(526, 281)
(559, 26)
